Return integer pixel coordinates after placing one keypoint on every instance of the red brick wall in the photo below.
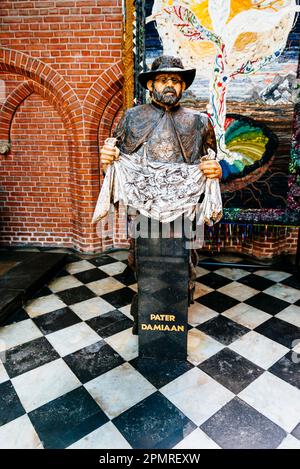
(61, 64)
(261, 242)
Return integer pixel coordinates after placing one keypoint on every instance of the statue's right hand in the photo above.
(108, 154)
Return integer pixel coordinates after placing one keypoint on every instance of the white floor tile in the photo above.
(296, 347)
(274, 398)
(45, 383)
(197, 440)
(246, 315)
(197, 314)
(197, 395)
(276, 276)
(43, 305)
(120, 255)
(233, 274)
(201, 271)
(134, 287)
(291, 314)
(283, 292)
(289, 442)
(106, 285)
(79, 266)
(119, 389)
(114, 268)
(105, 437)
(64, 283)
(125, 343)
(73, 338)
(18, 333)
(258, 349)
(126, 310)
(227, 258)
(19, 434)
(3, 375)
(91, 308)
(238, 291)
(201, 346)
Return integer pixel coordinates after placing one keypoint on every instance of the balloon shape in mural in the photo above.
(226, 39)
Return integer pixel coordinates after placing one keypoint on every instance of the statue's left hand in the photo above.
(211, 169)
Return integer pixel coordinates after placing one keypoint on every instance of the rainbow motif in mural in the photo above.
(251, 142)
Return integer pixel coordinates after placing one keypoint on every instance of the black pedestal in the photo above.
(162, 272)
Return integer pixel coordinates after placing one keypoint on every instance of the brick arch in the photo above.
(103, 101)
(109, 116)
(50, 85)
(16, 98)
(101, 106)
(48, 81)
(9, 107)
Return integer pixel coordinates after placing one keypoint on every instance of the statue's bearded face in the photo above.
(167, 88)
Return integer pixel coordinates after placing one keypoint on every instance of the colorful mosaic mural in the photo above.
(246, 53)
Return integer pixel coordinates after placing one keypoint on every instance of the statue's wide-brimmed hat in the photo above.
(168, 64)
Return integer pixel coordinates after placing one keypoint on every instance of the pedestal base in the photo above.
(162, 272)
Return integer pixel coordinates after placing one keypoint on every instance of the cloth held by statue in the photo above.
(159, 190)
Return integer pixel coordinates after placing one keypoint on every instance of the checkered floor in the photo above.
(70, 376)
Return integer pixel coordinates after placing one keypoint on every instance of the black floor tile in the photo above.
(256, 281)
(119, 298)
(292, 281)
(154, 423)
(212, 267)
(288, 369)
(17, 316)
(161, 372)
(238, 426)
(28, 356)
(45, 291)
(231, 370)
(93, 361)
(296, 431)
(56, 320)
(69, 418)
(102, 260)
(75, 295)
(223, 329)
(267, 303)
(213, 280)
(110, 323)
(280, 331)
(217, 301)
(91, 275)
(127, 277)
(73, 257)
(10, 405)
(62, 273)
